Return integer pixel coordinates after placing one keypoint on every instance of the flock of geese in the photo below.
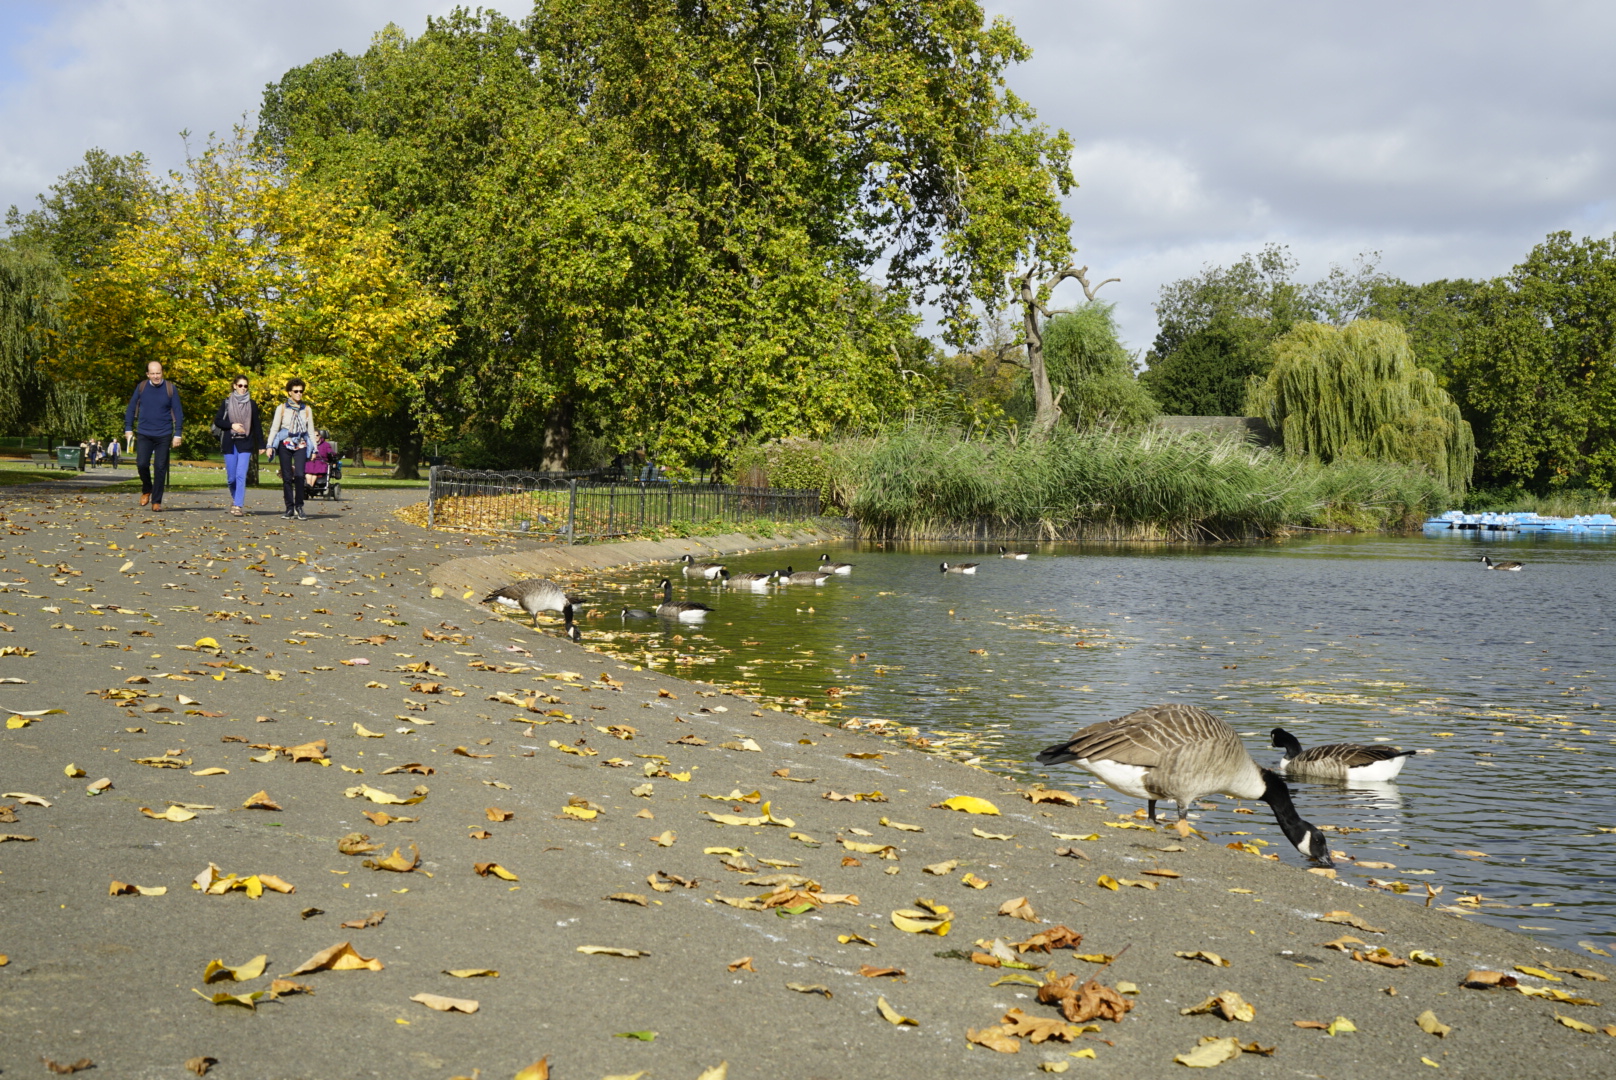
(1172, 752)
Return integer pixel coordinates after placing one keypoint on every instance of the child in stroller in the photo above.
(323, 473)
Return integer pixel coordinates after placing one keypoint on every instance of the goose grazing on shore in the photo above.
(634, 613)
(569, 629)
(1339, 761)
(710, 571)
(532, 596)
(747, 579)
(1507, 564)
(961, 568)
(805, 577)
(828, 567)
(683, 610)
(1003, 554)
(1183, 753)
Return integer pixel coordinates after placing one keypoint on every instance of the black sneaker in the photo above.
(289, 514)
(301, 516)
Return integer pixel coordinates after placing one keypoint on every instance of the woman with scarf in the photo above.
(292, 437)
(243, 436)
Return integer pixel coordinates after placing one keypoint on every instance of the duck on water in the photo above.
(1183, 753)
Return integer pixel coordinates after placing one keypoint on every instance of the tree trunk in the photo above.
(409, 456)
(1043, 396)
(558, 437)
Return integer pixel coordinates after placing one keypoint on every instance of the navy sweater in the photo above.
(159, 408)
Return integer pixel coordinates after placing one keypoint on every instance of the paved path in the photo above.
(490, 720)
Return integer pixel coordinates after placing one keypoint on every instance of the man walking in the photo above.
(158, 429)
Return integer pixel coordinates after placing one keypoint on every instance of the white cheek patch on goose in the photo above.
(1128, 779)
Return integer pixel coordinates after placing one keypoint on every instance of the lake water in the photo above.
(1404, 640)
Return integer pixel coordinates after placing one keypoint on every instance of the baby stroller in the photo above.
(327, 483)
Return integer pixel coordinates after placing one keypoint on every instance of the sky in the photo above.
(1449, 136)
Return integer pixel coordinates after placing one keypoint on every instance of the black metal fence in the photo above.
(570, 507)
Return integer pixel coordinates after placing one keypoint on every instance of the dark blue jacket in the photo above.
(159, 409)
(250, 443)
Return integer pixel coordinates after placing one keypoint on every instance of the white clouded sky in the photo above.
(1450, 135)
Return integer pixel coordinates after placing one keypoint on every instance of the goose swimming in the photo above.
(961, 568)
(683, 610)
(1339, 761)
(1508, 564)
(710, 571)
(828, 567)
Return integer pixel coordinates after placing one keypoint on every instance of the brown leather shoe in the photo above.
(157, 508)
(145, 498)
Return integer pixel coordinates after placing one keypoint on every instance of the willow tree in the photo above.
(1355, 392)
(32, 293)
(239, 266)
(1091, 373)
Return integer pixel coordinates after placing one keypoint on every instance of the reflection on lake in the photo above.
(1405, 640)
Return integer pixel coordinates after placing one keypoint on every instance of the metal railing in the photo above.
(572, 507)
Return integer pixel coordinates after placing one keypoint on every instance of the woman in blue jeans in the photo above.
(243, 436)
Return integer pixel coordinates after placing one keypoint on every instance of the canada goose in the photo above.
(1507, 565)
(961, 568)
(749, 580)
(532, 596)
(805, 577)
(1003, 554)
(1183, 753)
(683, 610)
(569, 629)
(1339, 761)
(701, 569)
(634, 613)
(826, 566)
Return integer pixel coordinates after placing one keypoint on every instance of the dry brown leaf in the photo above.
(539, 1070)
(373, 919)
(261, 801)
(1038, 1029)
(357, 844)
(1080, 1003)
(1488, 980)
(1205, 957)
(1381, 956)
(1056, 937)
(201, 1065)
(1431, 1025)
(941, 869)
(893, 1016)
(397, 862)
(870, 971)
(810, 988)
(439, 1003)
(283, 987)
(1343, 943)
(1347, 918)
(483, 869)
(1228, 1004)
(743, 964)
(339, 957)
(382, 817)
(994, 1038)
(1210, 1052)
(630, 898)
(1019, 908)
(77, 1066)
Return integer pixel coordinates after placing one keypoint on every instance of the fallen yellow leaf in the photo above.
(970, 804)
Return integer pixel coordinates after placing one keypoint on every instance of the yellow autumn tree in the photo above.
(238, 265)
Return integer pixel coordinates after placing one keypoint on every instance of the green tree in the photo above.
(1355, 392)
(1433, 314)
(33, 291)
(85, 209)
(658, 222)
(1092, 373)
(1536, 368)
(238, 266)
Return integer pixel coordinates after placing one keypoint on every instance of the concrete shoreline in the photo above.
(614, 791)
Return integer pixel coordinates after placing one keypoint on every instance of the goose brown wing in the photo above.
(1146, 737)
(1348, 755)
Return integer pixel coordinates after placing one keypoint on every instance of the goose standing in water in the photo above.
(1003, 554)
(710, 571)
(747, 579)
(961, 568)
(683, 610)
(1507, 564)
(1183, 753)
(828, 567)
(532, 596)
(1339, 761)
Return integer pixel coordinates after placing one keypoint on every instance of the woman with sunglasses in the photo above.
(292, 437)
(238, 418)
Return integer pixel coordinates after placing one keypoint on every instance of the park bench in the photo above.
(44, 461)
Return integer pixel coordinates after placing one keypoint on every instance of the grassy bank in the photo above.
(923, 483)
